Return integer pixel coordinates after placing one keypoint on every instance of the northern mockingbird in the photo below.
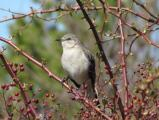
(79, 63)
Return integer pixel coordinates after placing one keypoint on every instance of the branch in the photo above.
(108, 68)
(77, 95)
(122, 53)
(98, 40)
(16, 80)
(140, 16)
(142, 6)
(16, 15)
(142, 34)
(36, 12)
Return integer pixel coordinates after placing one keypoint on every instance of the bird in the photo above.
(79, 63)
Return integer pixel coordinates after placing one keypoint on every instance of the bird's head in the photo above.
(69, 40)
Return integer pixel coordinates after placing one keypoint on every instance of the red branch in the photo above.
(123, 61)
(16, 80)
(54, 77)
(150, 42)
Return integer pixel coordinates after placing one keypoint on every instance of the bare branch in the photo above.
(122, 53)
(142, 6)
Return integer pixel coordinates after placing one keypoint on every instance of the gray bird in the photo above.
(79, 63)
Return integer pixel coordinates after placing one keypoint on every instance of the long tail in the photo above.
(91, 91)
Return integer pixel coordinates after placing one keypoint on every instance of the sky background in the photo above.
(20, 6)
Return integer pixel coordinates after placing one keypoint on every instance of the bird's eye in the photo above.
(68, 39)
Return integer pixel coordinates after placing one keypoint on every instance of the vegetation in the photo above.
(120, 34)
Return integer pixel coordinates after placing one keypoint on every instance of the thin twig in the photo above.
(142, 6)
(139, 15)
(36, 12)
(122, 53)
(131, 44)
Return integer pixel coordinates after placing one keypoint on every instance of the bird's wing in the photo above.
(91, 71)
(92, 93)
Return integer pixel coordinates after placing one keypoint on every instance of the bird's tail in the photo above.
(91, 92)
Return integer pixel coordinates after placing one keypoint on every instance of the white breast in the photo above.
(75, 62)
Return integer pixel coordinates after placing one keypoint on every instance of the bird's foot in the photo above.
(64, 80)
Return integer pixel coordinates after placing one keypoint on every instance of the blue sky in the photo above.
(20, 6)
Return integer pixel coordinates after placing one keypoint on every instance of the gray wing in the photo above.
(91, 71)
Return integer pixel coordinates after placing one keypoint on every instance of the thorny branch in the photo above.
(16, 80)
(36, 12)
(108, 68)
(77, 95)
(33, 12)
